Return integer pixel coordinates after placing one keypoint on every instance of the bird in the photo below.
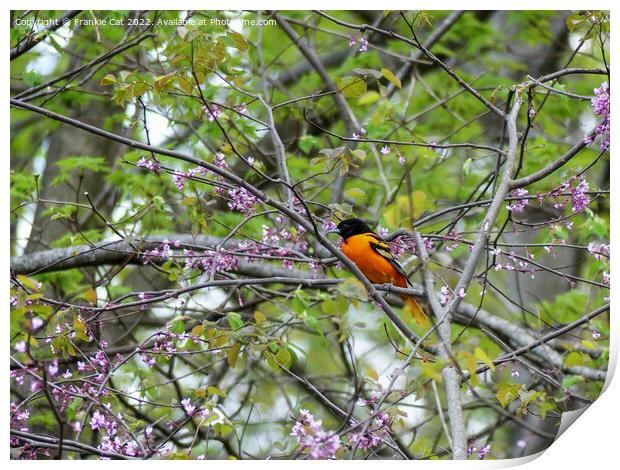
(372, 255)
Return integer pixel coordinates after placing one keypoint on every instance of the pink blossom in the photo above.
(328, 225)
(213, 112)
(97, 421)
(152, 165)
(445, 295)
(188, 407)
(579, 194)
(312, 439)
(363, 44)
(483, 451)
(600, 105)
(179, 180)
(242, 200)
(220, 161)
(606, 278)
(379, 428)
(519, 204)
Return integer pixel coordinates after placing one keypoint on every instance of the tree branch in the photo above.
(34, 39)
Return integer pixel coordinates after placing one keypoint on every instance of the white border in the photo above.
(590, 443)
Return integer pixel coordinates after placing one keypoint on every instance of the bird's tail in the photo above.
(416, 311)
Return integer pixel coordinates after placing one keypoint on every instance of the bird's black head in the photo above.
(348, 228)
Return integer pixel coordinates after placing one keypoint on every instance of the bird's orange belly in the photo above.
(374, 266)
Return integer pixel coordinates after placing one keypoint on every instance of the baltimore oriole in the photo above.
(373, 257)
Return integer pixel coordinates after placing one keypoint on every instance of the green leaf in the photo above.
(370, 372)
(109, 79)
(80, 328)
(283, 357)
(366, 73)
(351, 87)
(387, 73)
(222, 429)
(259, 317)
(308, 142)
(197, 330)
(431, 371)
(587, 344)
(472, 366)
(507, 392)
(574, 359)
(368, 98)
(29, 282)
(359, 154)
(72, 408)
(571, 380)
(271, 360)
(240, 42)
(31, 78)
(233, 354)
(480, 354)
(313, 323)
(90, 295)
(139, 88)
(234, 320)
(215, 391)
(185, 84)
(162, 82)
(467, 166)
(354, 193)
(177, 324)
(79, 164)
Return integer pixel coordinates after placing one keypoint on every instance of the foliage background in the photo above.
(262, 346)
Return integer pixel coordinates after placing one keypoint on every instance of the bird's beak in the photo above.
(334, 230)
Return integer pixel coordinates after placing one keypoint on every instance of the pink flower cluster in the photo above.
(179, 178)
(518, 264)
(210, 261)
(214, 112)
(600, 105)
(152, 165)
(363, 43)
(242, 200)
(328, 225)
(517, 205)
(362, 134)
(19, 417)
(272, 238)
(112, 440)
(446, 295)
(162, 251)
(312, 439)
(600, 252)
(220, 161)
(482, 451)
(163, 344)
(379, 428)
(577, 187)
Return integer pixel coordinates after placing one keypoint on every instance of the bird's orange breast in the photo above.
(375, 267)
